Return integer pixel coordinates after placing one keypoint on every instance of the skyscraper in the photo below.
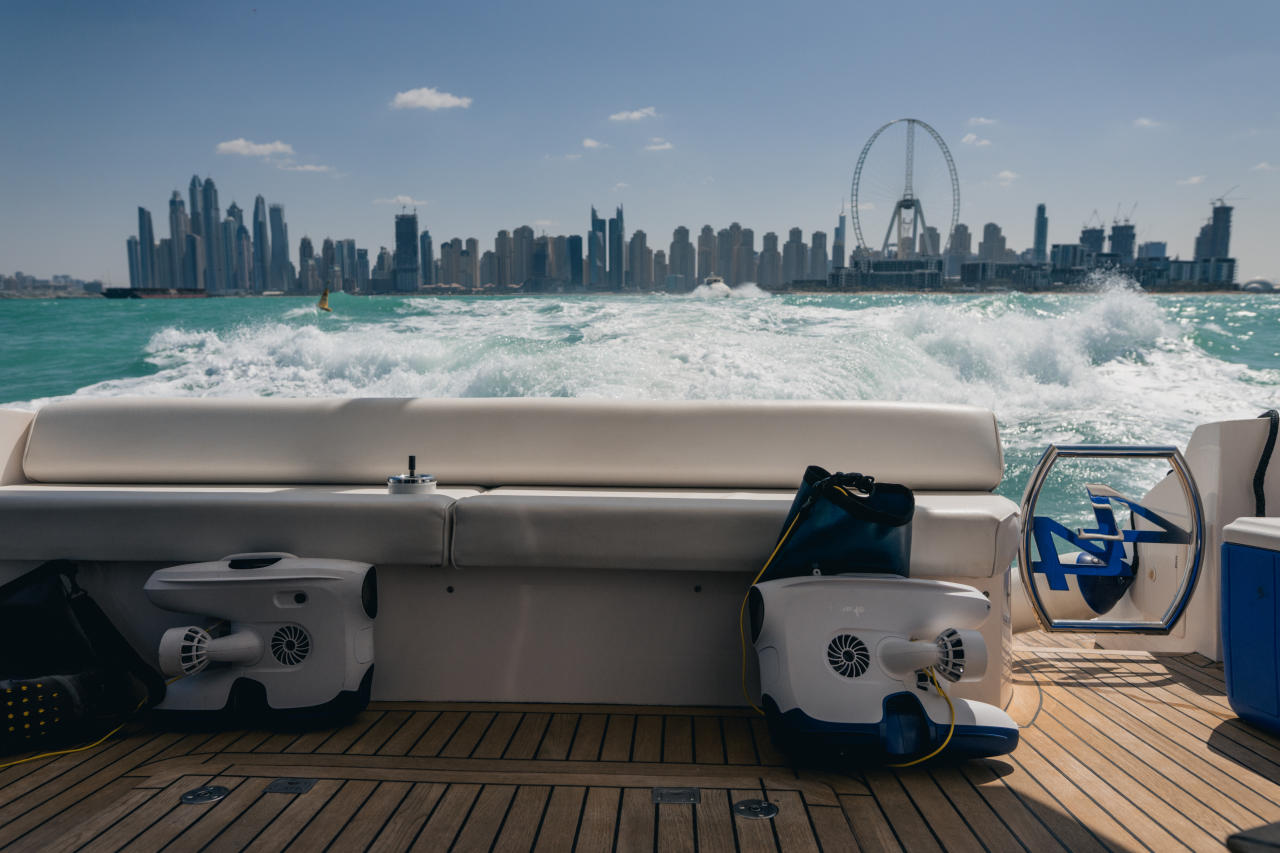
(211, 220)
(769, 272)
(574, 247)
(744, 256)
(194, 195)
(362, 272)
(193, 262)
(660, 269)
(521, 255)
(504, 249)
(929, 242)
(682, 260)
(1123, 240)
(427, 257)
(818, 256)
(838, 257)
(135, 265)
(281, 268)
(1091, 239)
(795, 256)
(179, 226)
(471, 265)
(639, 277)
(725, 245)
(596, 252)
(261, 246)
(1039, 253)
(146, 249)
(406, 255)
(706, 254)
(617, 254)
(1221, 231)
(992, 247)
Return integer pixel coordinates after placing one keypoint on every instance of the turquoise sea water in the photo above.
(1110, 366)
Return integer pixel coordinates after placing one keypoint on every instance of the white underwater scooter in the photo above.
(852, 667)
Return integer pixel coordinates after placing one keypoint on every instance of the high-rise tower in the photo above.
(597, 277)
(281, 268)
(427, 257)
(211, 221)
(617, 254)
(146, 249)
(1040, 252)
(261, 246)
(406, 255)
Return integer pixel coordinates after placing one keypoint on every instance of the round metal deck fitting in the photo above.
(758, 809)
(205, 794)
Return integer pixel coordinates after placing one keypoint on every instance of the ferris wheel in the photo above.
(878, 183)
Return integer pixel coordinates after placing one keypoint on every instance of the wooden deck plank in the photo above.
(86, 819)
(995, 830)
(675, 828)
(330, 820)
(252, 821)
(714, 817)
(435, 737)
(560, 821)
(296, 815)
(754, 835)
(635, 821)
(739, 746)
(407, 735)
(617, 738)
(589, 739)
(945, 821)
(769, 754)
(368, 820)
(484, 821)
(558, 737)
(791, 825)
(379, 733)
(468, 734)
(214, 817)
(178, 819)
(143, 816)
(599, 820)
(524, 818)
(647, 745)
(677, 740)
(445, 821)
(407, 820)
(495, 740)
(1170, 804)
(834, 833)
(909, 826)
(708, 742)
(342, 739)
(277, 742)
(524, 743)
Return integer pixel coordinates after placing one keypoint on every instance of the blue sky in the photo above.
(759, 111)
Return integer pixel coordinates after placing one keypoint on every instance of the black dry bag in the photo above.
(842, 523)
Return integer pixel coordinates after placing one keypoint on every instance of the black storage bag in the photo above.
(844, 523)
(67, 676)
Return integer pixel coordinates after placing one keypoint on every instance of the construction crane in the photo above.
(1221, 200)
(1128, 219)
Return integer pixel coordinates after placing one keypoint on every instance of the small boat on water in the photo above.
(716, 285)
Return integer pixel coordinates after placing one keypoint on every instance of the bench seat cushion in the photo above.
(954, 534)
(196, 523)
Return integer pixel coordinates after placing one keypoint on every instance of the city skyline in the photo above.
(650, 115)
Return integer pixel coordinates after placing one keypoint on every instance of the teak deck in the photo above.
(1119, 751)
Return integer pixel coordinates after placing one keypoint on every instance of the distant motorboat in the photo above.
(715, 284)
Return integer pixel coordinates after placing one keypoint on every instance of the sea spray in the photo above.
(1114, 365)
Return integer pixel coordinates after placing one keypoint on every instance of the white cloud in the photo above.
(1191, 181)
(544, 223)
(974, 139)
(1264, 166)
(1145, 122)
(658, 144)
(303, 167)
(620, 186)
(635, 115)
(402, 200)
(427, 98)
(978, 121)
(1006, 177)
(593, 143)
(254, 149)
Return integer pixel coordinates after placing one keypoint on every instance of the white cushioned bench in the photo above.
(540, 502)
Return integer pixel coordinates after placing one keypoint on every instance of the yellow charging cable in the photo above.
(951, 730)
(742, 640)
(97, 742)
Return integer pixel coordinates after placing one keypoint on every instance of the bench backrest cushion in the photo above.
(511, 441)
